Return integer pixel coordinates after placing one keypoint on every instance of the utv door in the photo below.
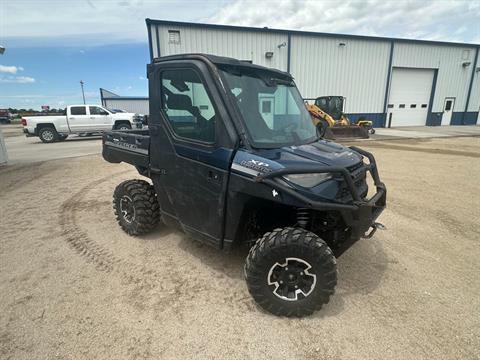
(189, 155)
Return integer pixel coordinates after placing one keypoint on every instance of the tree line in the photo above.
(21, 112)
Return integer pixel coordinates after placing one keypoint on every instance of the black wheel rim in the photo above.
(127, 209)
(291, 280)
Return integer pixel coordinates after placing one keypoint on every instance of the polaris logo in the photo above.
(257, 165)
(127, 146)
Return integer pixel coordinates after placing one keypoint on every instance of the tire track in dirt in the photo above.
(145, 279)
(17, 176)
(434, 151)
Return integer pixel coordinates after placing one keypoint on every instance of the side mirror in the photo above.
(322, 129)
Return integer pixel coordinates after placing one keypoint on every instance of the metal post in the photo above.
(3, 148)
(390, 120)
(83, 93)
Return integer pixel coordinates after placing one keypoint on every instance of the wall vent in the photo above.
(174, 36)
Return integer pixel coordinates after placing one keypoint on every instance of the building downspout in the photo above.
(289, 51)
(470, 87)
(158, 41)
(387, 88)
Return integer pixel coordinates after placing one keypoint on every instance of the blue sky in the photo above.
(57, 72)
(53, 44)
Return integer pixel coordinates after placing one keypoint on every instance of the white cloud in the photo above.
(10, 69)
(94, 22)
(419, 19)
(89, 23)
(17, 79)
(142, 78)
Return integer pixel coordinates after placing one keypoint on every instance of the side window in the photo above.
(95, 110)
(321, 103)
(78, 110)
(187, 106)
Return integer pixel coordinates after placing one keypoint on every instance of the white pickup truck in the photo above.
(79, 119)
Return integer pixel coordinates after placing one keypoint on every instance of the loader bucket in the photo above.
(352, 131)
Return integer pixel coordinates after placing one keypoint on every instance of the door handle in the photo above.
(92, 117)
(70, 118)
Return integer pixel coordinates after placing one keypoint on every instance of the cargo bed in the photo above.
(130, 146)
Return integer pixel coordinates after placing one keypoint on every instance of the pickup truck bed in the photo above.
(131, 146)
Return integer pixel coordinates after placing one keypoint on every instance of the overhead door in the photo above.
(409, 96)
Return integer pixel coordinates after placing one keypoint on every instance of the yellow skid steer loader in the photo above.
(327, 114)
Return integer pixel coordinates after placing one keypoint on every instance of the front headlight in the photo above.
(308, 180)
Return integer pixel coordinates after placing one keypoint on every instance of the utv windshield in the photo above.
(272, 109)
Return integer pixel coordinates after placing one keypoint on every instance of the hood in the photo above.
(123, 115)
(321, 152)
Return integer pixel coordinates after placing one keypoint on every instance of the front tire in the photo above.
(48, 134)
(291, 272)
(123, 127)
(136, 207)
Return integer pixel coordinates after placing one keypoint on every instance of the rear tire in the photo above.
(136, 207)
(291, 272)
(48, 134)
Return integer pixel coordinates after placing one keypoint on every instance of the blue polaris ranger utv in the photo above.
(234, 158)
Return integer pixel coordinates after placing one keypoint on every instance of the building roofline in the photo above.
(305, 33)
(126, 98)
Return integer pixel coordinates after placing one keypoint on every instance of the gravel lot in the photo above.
(73, 285)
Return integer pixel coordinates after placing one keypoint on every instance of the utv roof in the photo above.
(220, 61)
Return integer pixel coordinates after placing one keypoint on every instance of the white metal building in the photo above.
(394, 82)
(134, 104)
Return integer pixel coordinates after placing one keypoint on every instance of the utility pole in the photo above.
(83, 93)
(3, 148)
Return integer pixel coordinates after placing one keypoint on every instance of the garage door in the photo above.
(409, 96)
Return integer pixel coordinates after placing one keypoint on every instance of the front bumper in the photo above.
(359, 215)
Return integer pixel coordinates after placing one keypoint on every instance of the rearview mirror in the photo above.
(181, 102)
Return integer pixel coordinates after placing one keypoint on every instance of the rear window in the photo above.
(78, 110)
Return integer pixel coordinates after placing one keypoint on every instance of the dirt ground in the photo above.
(73, 285)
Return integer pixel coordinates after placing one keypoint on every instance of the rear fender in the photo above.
(43, 125)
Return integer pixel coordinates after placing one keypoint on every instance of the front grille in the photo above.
(359, 176)
(355, 167)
